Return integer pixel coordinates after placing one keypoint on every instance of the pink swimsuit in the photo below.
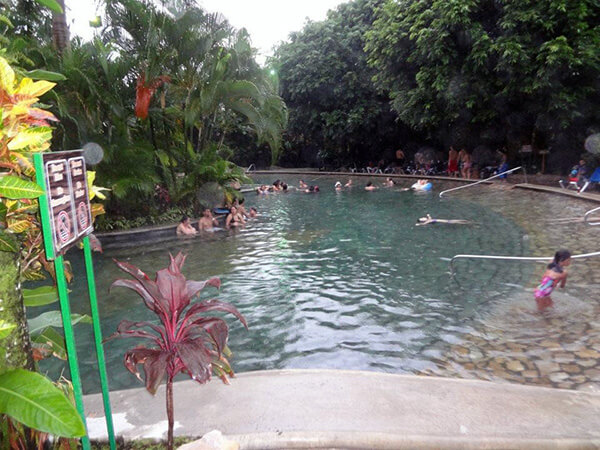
(545, 288)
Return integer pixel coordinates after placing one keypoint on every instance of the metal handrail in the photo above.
(480, 181)
(591, 211)
(250, 168)
(516, 258)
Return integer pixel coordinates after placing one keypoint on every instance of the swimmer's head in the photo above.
(338, 184)
(316, 188)
(562, 258)
(369, 184)
(184, 219)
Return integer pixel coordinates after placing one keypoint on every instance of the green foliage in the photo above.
(506, 72)
(16, 188)
(173, 215)
(43, 295)
(334, 108)
(32, 399)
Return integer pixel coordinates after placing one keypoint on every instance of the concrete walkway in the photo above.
(558, 190)
(348, 409)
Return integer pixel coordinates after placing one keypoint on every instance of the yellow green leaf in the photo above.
(29, 88)
(16, 188)
(7, 76)
(7, 242)
(31, 137)
(19, 225)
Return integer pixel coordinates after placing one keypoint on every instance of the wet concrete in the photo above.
(274, 409)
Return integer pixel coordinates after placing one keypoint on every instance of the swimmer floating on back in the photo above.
(430, 221)
(555, 274)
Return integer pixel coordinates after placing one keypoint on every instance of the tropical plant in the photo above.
(32, 400)
(185, 340)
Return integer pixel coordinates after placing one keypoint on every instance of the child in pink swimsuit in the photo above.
(554, 275)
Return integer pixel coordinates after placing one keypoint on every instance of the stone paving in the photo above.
(558, 348)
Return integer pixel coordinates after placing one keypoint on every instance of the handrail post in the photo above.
(516, 258)
(591, 211)
(483, 181)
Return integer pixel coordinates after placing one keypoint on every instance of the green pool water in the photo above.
(345, 280)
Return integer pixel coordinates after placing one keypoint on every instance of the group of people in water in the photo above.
(234, 216)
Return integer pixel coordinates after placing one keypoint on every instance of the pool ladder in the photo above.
(250, 168)
(483, 181)
(588, 213)
(515, 258)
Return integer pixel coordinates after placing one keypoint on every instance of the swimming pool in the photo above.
(345, 280)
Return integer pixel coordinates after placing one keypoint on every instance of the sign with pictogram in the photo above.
(68, 199)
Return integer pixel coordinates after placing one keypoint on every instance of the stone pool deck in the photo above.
(351, 409)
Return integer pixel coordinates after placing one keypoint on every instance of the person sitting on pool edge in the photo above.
(234, 219)
(207, 222)
(370, 187)
(185, 228)
(430, 221)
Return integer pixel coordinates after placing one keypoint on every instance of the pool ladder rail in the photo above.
(588, 213)
(545, 259)
(250, 168)
(483, 181)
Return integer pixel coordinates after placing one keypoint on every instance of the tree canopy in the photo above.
(336, 113)
(501, 72)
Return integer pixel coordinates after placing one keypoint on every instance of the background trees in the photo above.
(493, 72)
(457, 72)
(337, 116)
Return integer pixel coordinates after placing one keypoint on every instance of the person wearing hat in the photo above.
(338, 186)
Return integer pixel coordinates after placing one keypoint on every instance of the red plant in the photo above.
(185, 341)
(144, 90)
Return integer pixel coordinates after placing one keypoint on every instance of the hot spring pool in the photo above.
(345, 280)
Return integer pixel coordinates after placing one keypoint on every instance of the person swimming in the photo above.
(185, 228)
(234, 219)
(338, 186)
(302, 185)
(370, 187)
(207, 222)
(312, 190)
(388, 182)
(428, 220)
(348, 183)
(555, 275)
(422, 185)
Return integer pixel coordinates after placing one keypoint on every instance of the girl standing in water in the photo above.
(555, 274)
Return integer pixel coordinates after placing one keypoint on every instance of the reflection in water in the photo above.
(345, 280)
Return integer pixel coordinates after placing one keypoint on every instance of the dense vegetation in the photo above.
(167, 90)
(457, 72)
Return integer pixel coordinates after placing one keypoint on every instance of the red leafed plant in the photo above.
(185, 340)
(144, 91)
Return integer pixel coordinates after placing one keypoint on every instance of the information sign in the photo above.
(68, 199)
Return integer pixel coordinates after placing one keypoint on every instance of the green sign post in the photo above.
(66, 218)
